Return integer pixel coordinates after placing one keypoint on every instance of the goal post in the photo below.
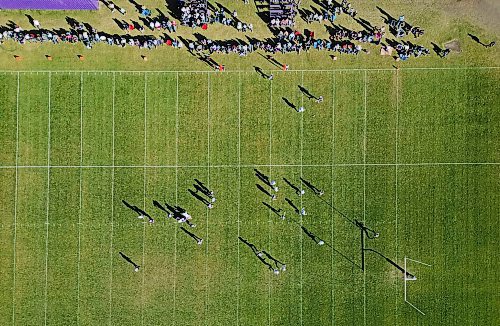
(410, 277)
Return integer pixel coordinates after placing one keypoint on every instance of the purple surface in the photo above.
(50, 4)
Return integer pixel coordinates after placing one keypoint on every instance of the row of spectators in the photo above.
(87, 35)
(295, 44)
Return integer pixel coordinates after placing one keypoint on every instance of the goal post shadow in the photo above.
(409, 277)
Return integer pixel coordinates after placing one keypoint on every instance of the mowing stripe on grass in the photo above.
(239, 200)
(144, 196)
(47, 217)
(207, 209)
(332, 199)
(112, 204)
(16, 192)
(80, 202)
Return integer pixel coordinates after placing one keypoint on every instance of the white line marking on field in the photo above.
(144, 197)
(207, 209)
(237, 71)
(301, 205)
(269, 215)
(422, 164)
(239, 200)
(364, 198)
(332, 211)
(47, 217)
(396, 183)
(112, 205)
(80, 202)
(416, 261)
(176, 184)
(16, 192)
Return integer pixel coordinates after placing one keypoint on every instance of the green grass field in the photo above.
(414, 153)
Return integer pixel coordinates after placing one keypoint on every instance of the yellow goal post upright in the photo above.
(409, 277)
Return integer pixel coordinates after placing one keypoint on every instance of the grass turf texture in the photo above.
(412, 153)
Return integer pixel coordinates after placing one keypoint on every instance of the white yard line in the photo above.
(396, 183)
(238, 71)
(80, 202)
(144, 197)
(16, 192)
(208, 185)
(364, 196)
(176, 185)
(239, 200)
(301, 204)
(112, 206)
(332, 189)
(47, 208)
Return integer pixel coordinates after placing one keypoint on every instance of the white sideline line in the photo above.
(364, 198)
(47, 217)
(245, 165)
(16, 191)
(396, 184)
(112, 205)
(238, 71)
(239, 200)
(176, 185)
(80, 202)
(332, 189)
(301, 204)
(144, 198)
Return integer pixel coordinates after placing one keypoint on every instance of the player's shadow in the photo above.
(264, 191)
(316, 239)
(290, 104)
(261, 73)
(393, 263)
(201, 199)
(388, 18)
(476, 39)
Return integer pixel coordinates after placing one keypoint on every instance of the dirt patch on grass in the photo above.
(453, 46)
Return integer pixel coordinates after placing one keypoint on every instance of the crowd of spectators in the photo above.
(85, 34)
(199, 12)
(194, 13)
